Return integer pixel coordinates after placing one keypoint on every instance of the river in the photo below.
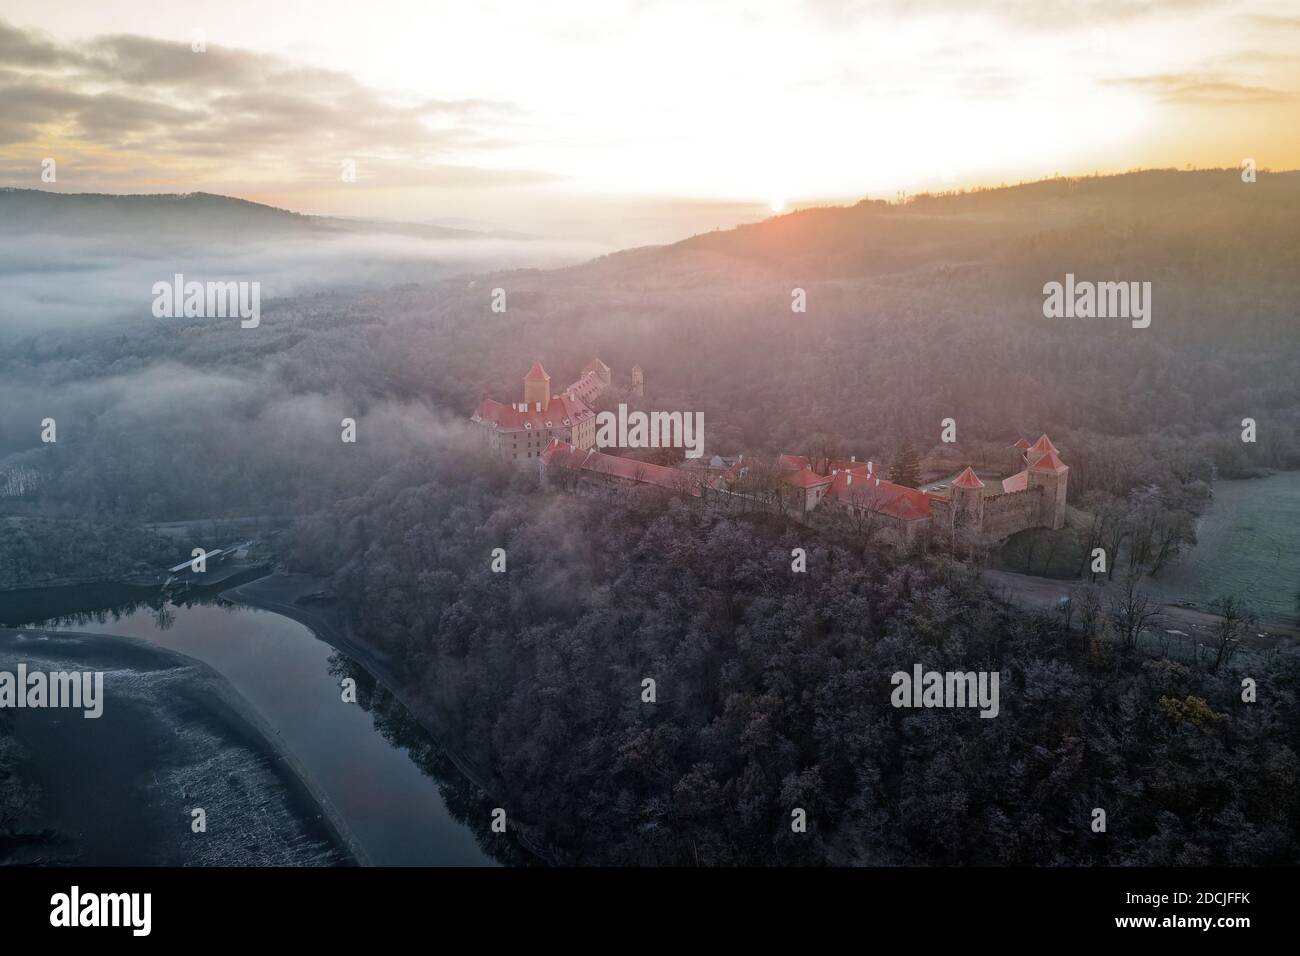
(397, 811)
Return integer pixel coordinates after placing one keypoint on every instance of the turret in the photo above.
(1038, 449)
(1051, 475)
(968, 499)
(600, 370)
(537, 388)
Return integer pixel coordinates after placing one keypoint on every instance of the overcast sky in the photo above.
(557, 113)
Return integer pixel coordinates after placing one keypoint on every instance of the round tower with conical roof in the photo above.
(968, 499)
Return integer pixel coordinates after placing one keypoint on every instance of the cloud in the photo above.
(28, 49)
(1044, 15)
(1271, 22)
(52, 281)
(153, 416)
(1201, 89)
(164, 111)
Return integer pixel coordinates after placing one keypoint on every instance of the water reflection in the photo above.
(372, 759)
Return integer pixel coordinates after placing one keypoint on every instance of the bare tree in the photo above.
(1174, 531)
(1234, 620)
(1086, 601)
(1131, 612)
(1113, 537)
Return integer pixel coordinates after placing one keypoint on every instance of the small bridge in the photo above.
(184, 572)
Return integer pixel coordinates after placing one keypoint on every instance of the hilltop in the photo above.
(43, 211)
(1151, 218)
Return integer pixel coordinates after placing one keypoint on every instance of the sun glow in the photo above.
(809, 100)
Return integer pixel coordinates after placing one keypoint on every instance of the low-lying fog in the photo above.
(49, 281)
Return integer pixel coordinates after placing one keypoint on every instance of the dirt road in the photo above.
(1043, 594)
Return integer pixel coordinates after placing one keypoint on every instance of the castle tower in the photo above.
(638, 381)
(1040, 448)
(968, 500)
(1051, 475)
(537, 388)
(600, 370)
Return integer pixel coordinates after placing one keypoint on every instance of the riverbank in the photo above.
(174, 737)
(304, 598)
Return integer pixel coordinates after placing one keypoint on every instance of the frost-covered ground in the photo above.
(174, 738)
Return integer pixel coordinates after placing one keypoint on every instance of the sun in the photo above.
(777, 204)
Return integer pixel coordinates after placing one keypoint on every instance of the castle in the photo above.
(556, 433)
(521, 431)
(1032, 497)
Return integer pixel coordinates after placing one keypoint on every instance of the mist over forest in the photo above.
(82, 259)
(934, 311)
(915, 312)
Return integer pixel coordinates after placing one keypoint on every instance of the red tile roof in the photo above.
(967, 479)
(897, 501)
(850, 465)
(563, 455)
(805, 478)
(595, 365)
(537, 374)
(563, 412)
(1049, 462)
(822, 466)
(1017, 482)
(1042, 446)
(737, 470)
(1021, 444)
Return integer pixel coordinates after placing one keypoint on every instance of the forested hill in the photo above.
(951, 325)
(934, 308)
(91, 214)
(1155, 220)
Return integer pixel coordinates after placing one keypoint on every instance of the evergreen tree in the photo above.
(906, 467)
